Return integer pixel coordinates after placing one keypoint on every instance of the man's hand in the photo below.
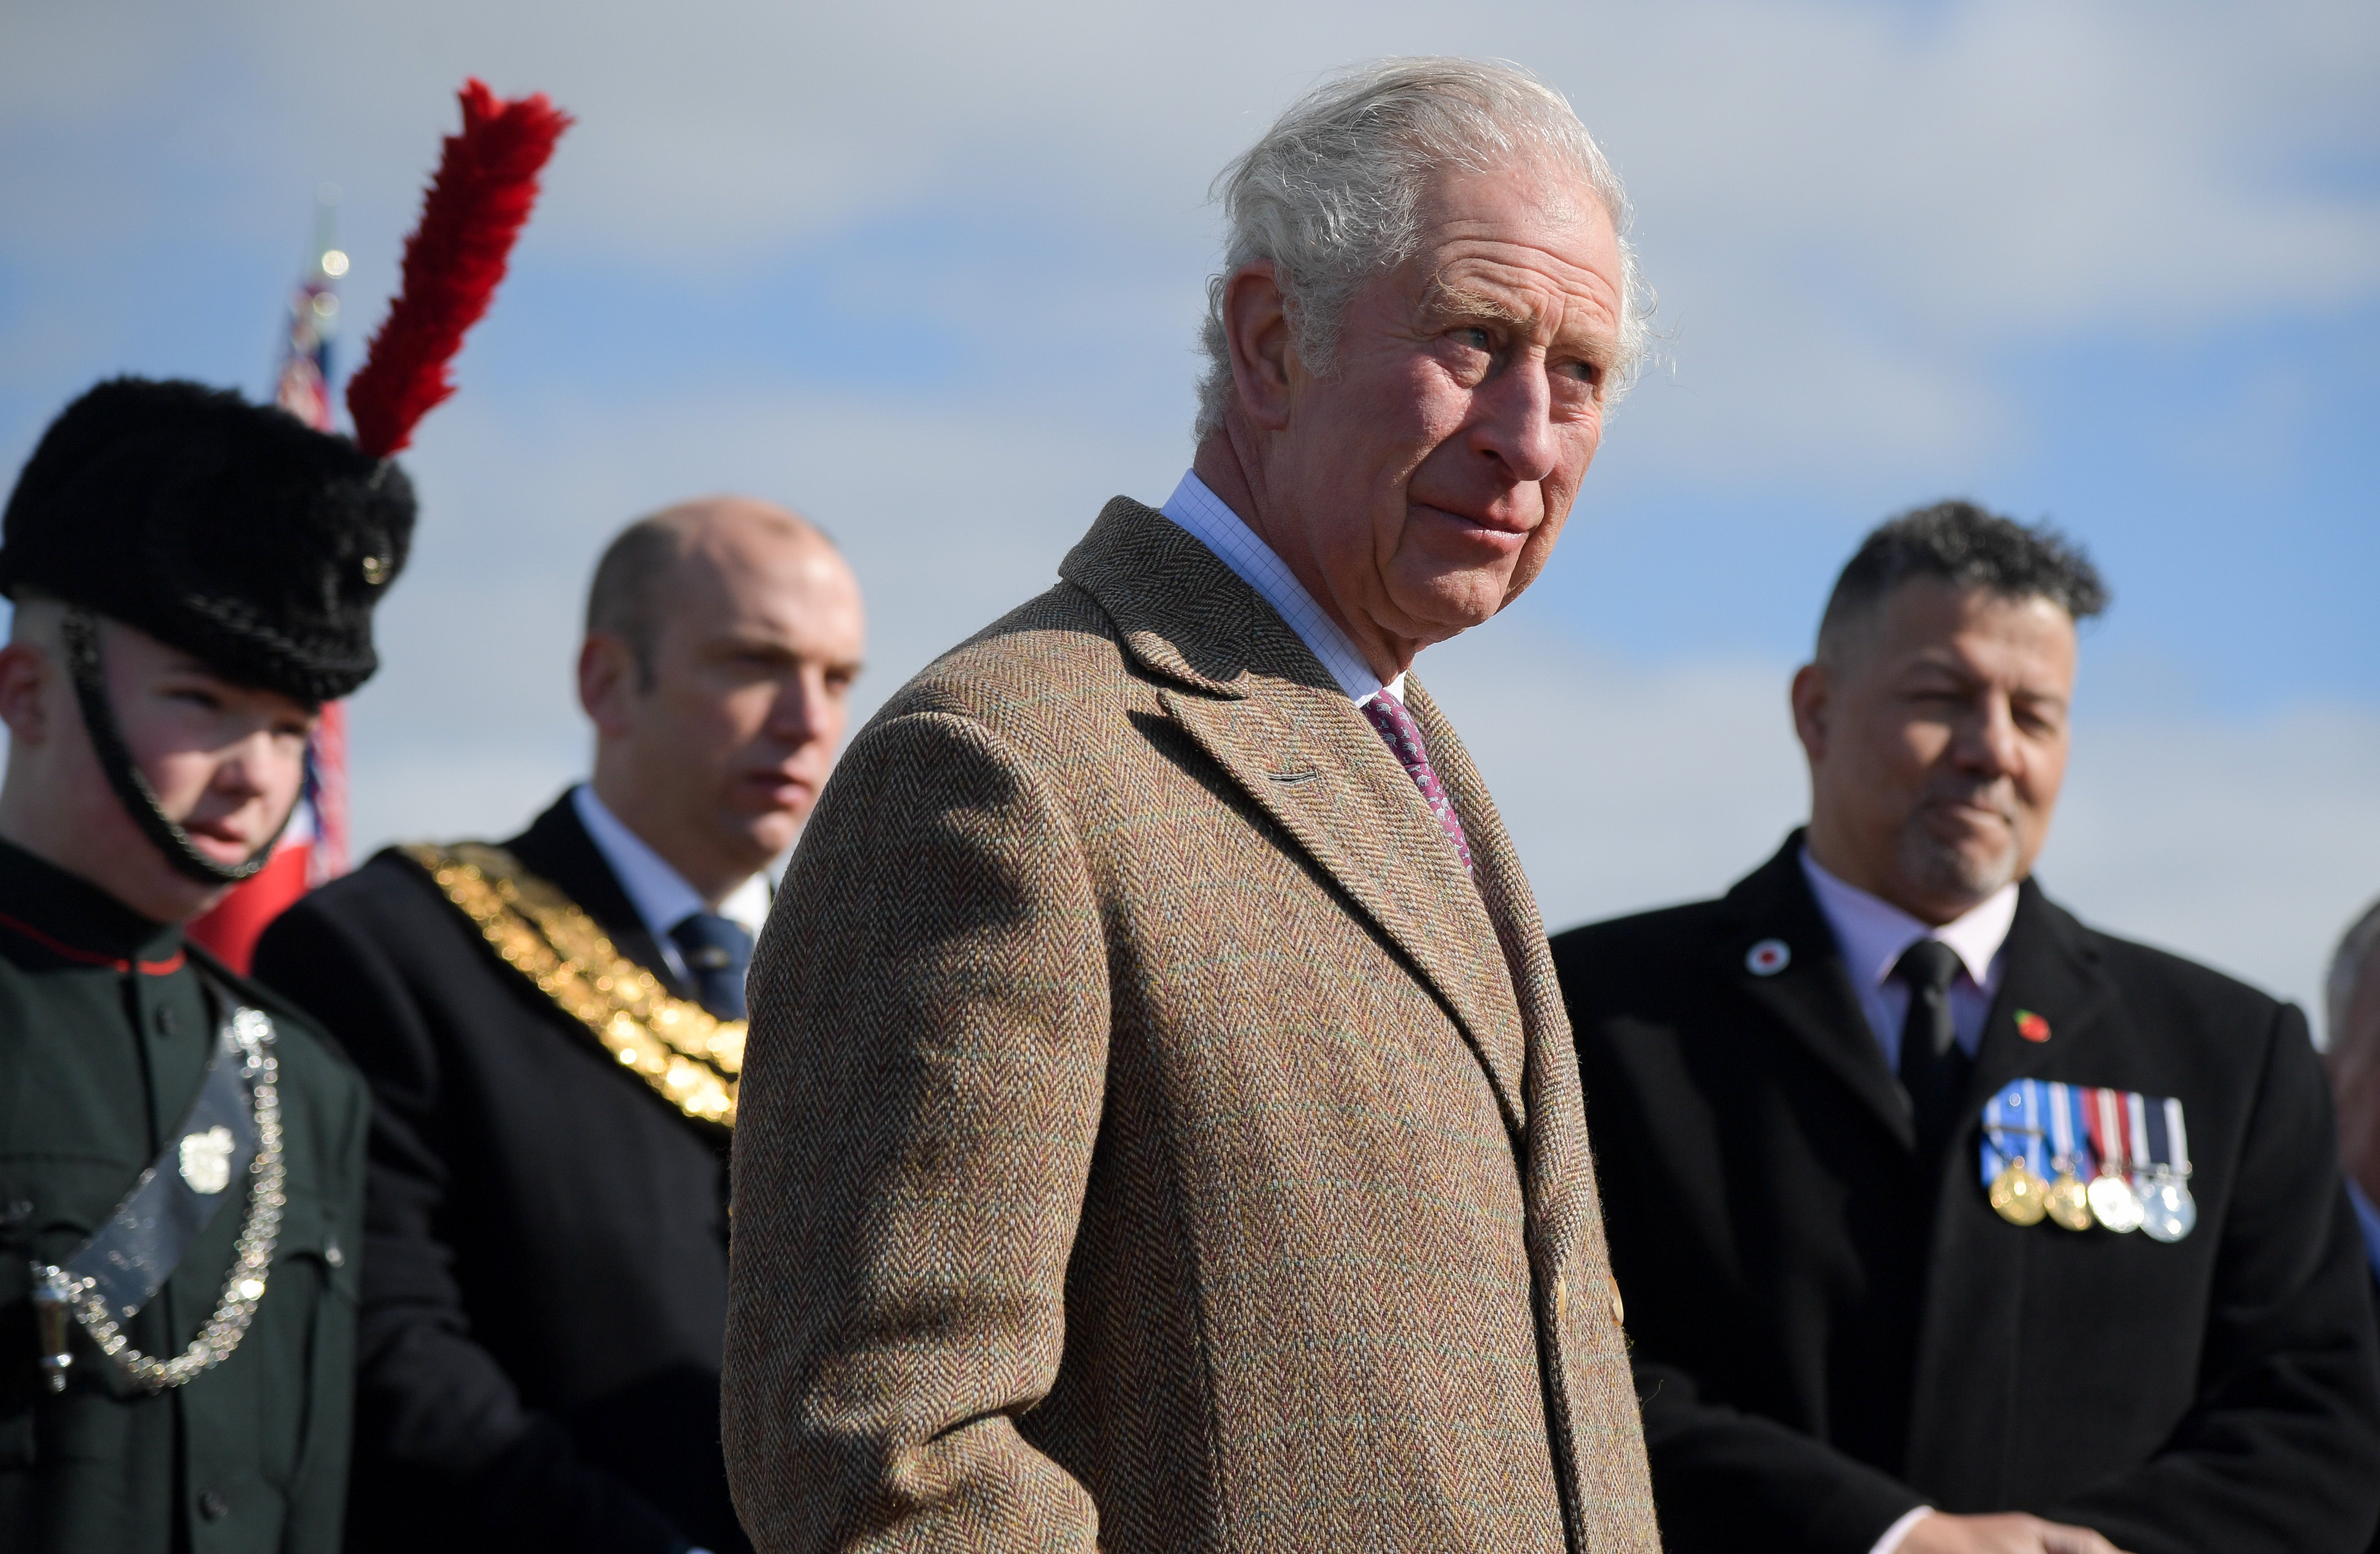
(2014, 1534)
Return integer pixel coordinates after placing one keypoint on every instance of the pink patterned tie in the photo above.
(1397, 726)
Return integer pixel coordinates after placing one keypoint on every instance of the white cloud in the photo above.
(1854, 212)
(1851, 209)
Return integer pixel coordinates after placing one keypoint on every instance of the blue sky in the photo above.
(932, 273)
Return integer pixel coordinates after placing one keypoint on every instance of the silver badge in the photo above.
(206, 1161)
(2169, 1212)
(1768, 957)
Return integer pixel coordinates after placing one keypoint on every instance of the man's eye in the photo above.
(1475, 337)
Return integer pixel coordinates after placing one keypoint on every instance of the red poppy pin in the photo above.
(2032, 1027)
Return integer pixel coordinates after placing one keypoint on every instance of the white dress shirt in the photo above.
(1873, 934)
(1200, 511)
(659, 893)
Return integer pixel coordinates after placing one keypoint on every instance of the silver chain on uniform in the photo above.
(253, 1257)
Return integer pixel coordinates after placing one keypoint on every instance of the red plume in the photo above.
(485, 185)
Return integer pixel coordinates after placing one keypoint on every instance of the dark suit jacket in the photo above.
(1825, 1340)
(545, 1273)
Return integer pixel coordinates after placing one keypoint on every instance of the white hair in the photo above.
(1332, 195)
(2347, 966)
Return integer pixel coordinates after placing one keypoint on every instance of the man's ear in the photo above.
(24, 692)
(1255, 321)
(1812, 696)
(607, 681)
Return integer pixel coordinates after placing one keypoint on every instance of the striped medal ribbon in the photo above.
(2012, 1157)
(2113, 1200)
(2070, 1199)
(2169, 1213)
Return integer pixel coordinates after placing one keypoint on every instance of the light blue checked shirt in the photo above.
(1236, 546)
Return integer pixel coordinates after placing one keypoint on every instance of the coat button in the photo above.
(1619, 1306)
(212, 1506)
(165, 1021)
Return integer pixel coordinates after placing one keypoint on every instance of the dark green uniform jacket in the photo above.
(105, 1027)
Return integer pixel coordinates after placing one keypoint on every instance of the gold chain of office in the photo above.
(690, 1057)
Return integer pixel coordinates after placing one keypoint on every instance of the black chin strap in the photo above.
(80, 634)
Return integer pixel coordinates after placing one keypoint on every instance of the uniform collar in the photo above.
(71, 921)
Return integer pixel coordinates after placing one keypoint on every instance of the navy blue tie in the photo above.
(716, 951)
(1934, 1067)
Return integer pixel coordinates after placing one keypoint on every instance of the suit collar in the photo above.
(1236, 678)
(1180, 613)
(557, 848)
(1810, 992)
(2050, 969)
(2053, 973)
(1195, 508)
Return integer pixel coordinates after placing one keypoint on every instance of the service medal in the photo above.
(2012, 1157)
(2169, 1211)
(2113, 1202)
(2115, 1205)
(2018, 1196)
(2070, 1201)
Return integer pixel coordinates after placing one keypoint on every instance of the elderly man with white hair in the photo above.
(1160, 1128)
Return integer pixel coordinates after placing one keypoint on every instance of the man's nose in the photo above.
(1515, 426)
(1988, 742)
(793, 716)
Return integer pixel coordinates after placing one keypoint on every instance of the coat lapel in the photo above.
(1811, 995)
(2051, 971)
(1256, 700)
(557, 849)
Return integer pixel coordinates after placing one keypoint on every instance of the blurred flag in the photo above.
(314, 848)
(475, 204)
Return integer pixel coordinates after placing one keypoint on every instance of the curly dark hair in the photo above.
(1964, 545)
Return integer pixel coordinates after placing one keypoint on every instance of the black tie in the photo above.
(1932, 1065)
(716, 949)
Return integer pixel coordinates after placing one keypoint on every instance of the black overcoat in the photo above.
(545, 1282)
(1826, 1338)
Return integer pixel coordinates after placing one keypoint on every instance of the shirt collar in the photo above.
(658, 892)
(1873, 933)
(1205, 514)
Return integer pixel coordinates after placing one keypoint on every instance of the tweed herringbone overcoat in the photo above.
(1150, 1137)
